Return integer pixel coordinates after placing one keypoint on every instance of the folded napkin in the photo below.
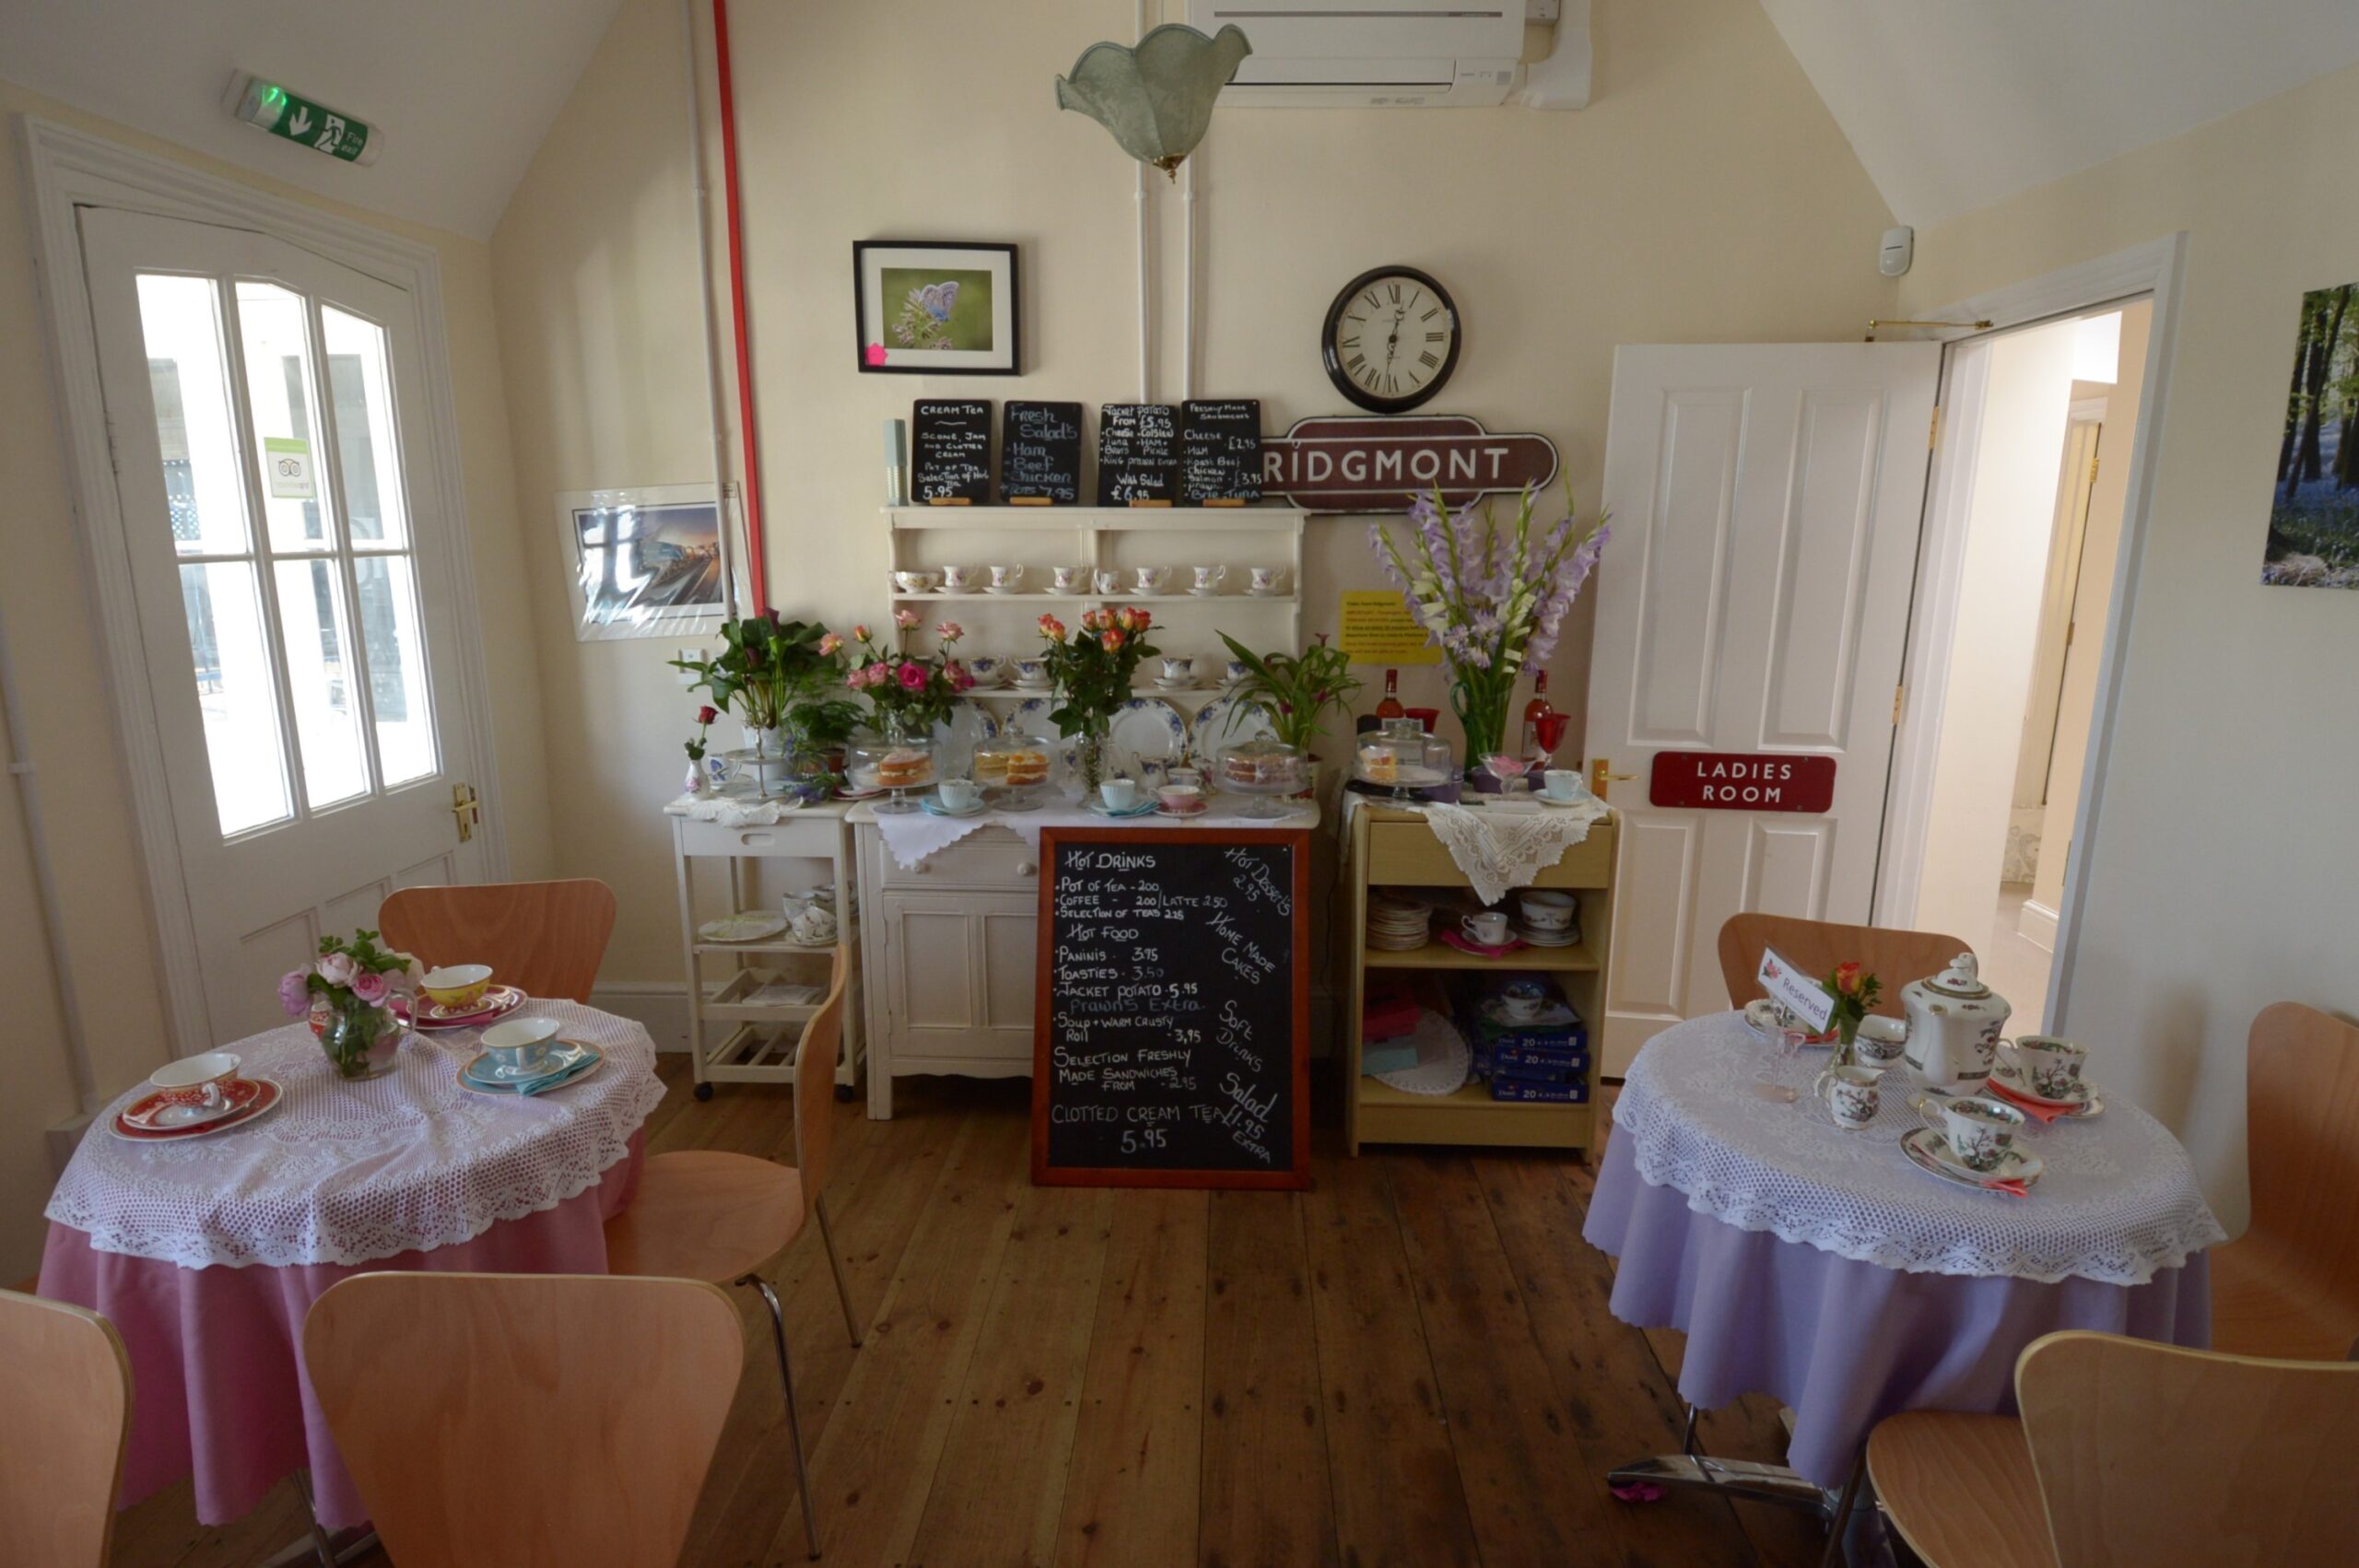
(2029, 1106)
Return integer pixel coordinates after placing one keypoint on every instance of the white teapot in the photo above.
(1954, 1024)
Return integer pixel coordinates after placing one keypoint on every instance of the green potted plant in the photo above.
(1293, 692)
(765, 666)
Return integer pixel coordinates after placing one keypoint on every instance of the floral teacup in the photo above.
(1981, 1130)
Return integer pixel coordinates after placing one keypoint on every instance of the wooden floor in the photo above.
(1411, 1363)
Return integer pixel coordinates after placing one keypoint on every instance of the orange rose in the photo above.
(1847, 979)
(1112, 640)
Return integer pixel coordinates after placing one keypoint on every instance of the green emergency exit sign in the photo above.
(269, 107)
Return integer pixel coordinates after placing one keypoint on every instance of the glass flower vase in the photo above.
(361, 1042)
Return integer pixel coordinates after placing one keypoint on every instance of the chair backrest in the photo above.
(66, 1383)
(815, 1082)
(2301, 1125)
(2150, 1454)
(525, 1418)
(544, 936)
(1815, 947)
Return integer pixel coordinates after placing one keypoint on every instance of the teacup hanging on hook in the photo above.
(1155, 98)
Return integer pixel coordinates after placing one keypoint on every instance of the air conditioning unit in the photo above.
(1369, 53)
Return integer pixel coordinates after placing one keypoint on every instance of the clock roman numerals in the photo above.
(1391, 339)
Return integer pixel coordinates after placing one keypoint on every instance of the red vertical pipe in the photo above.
(754, 569)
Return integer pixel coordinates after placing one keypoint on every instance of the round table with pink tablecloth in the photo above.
(205, 1254)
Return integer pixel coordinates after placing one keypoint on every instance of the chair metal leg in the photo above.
(1841, 1522)
(324, 1549)
(843, 1286)
(793, 1422)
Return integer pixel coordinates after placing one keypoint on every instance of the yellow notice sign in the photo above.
(1379, 629)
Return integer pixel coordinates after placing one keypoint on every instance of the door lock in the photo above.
(1600, 773)
(466, 808)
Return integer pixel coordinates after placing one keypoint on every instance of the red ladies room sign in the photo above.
(1742, 781)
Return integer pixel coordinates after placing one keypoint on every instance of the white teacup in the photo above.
(2051, 1067)
(1235, 670)
(813, 926)
(1031, 671)
(1106, 579)
(989, 669)
(1178, 668)
(1119, 794)
(197, 1087)
(1488, 929)
(1545, 909)
(1981, 1130)
(1521, 1001)
(1262, 579)
(959, 794)
(518, 1046)
(958, 578)
(1209, 579)
(914, 581)
(1852, 1095)
(1880, 1041)
(1007, 579)
(1066, 579)
(1150, 580)
(1561, 783)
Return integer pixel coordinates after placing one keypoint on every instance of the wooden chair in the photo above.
(704, 1214)
(547, 936)
(2289, 1286)
(2132, 1454)
(66, 1383)
(526, 1418)
(1815, 947)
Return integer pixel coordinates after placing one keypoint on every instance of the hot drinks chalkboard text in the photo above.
(1172, 1017)
(1040, 454)
(1138, 454)
(1220, 452)
(951, 456)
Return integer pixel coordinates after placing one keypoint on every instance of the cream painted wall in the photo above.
(2010, 520)
(47, 616)
(2100, 549)
(2218, 873)
(1704, 196)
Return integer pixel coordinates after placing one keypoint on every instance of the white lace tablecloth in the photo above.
(347, 1173)
(913, 835)
(2118, 1201)
(1499, 848)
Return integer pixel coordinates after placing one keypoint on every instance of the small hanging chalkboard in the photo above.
(1220, 452)
(1171, 1024)
(951, 453)
(1138, 454)
(1040, 454)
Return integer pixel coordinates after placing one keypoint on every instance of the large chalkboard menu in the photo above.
(1173, 1021)
(950, 452)
(1040, 454)
(1220, 452)
(1138, 454)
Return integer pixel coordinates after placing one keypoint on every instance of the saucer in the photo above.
(1761, 1015)
(498, 1002)
(1582, 798)
(750, 925)
(932, 803)
(1273, 591)
(996, 588)
(1102, 809)
(2087, 1105)
(1030, 687)
(1187, 686)
(1929, 1151)
(1162, 809)
(569, 1061)
(250, 1098)
(1203, 593)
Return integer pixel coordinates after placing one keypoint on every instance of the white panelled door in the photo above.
(1766, 502)
(266, 409)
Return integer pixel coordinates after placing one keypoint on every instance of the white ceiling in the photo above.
(1952, 104)
(464, 90)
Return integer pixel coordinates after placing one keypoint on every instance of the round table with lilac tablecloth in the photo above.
(206, 1254)
(1823, 1269)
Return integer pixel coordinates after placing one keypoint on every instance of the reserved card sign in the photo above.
(1800, 994)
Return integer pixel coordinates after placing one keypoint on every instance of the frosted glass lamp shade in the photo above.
(1155, 98)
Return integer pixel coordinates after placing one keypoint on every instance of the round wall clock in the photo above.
(1391, 339)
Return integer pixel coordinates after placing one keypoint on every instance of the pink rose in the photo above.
(295, 992)
(905, 618)
(959, 674)
(830, 645)
(912, 677)
(336, 968)
(369, 986)
(950, 631)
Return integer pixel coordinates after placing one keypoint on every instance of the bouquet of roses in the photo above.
(1494, 597)
(907, 692)
(1092, 668)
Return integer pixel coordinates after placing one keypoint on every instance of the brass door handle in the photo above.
(466, 809)
(1600, 773)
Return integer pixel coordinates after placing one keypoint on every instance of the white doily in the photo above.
(348, 1172)
(2117, 1200)
(1500, 849)
(731, 811)
(913, 835)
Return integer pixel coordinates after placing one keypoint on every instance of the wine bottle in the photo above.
(1390, 707)
(1534, 712)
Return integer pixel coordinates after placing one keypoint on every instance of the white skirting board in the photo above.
(2036, 923)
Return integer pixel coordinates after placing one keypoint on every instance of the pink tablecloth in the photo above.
(217, 1354)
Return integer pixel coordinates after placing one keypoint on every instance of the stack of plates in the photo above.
(1565, 937)
(1397, 924)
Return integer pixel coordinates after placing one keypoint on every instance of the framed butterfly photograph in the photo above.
(925, 307)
